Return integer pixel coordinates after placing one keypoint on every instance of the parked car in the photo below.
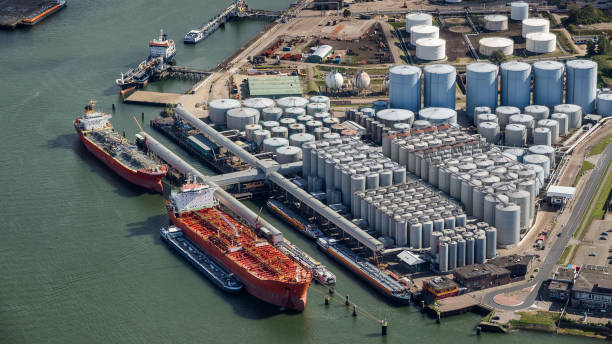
(592, 254)
(603, 238)
(604, 233)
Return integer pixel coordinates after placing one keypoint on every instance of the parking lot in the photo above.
(596, 246)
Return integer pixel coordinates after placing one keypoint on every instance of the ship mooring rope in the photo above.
(341, 300)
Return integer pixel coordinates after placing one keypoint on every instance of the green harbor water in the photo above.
(80, 255)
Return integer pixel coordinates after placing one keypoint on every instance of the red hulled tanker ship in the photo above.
(266, 272)
(116, 152)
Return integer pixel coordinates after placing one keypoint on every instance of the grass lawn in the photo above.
(537, 318)
(600, 146)
(397, 25)
(564, 255)
(585, 167)
(599, 206)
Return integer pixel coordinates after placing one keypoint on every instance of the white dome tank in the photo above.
(490, 131)
(515, 135)
(273, 143)
(531, 25)
(405, 87)
(258, 103)
(299, 139)
(604, 104)
(362, 81)
(288, 154)
(238, 118)
(417, 18)
(563, 121)
(294, 112)
(217, 110)
(482, 83)
(503, 114)
(271, 114)
(490, 44)
(573, 112)
(496, 22)
(334, 80)
(430, 49)
(541, 42)
(438, 115)
(486, 117)
(321, 99)
(581, 84)
(542, 136)
(552, 126)
(313, 108)
(515, 84)
(538, 112)
(548, 83)
(423, 31)
(289, 102)
(519, 10)
(440, 85)
(391, 116)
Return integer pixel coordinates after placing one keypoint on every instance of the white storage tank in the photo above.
(480, 249)
(334, 80)
(525, 120)
(507, 222)
(239, 118)
(438, 115)
(271, 114)
(538, 112)
(289, 102)
(361, 82)
(389, 117)
(541, 42)
(490, 131)
(416, 233)
(430, 49)
(294, 112)
(481, 86)
(249, 131)
(217, 110)
(581, 84)
(491, 235)
(440, 86)
(563, 121)
(546, 150)
(542, 136)
(452, 255)
(296, 128)
(504, 113)
(488, 45)
(299, 139)
(405, 87)
(515, 135)
(496, 22)
(280, 132)
(522, 199)
(573, 112)
(519, 10)
(552, 126)
(258, 103)
(604, 104)
(260, 136)
(469, 250)
(321, 99)
(420, 124)
(288, 154)
(443, 258)
(417, 18)
(273, 143)
(314, 108)
(423, 31)
(531, 25)
(538, 160)
(515, 84)
(548, 83)
(486, 117)
(268, 125)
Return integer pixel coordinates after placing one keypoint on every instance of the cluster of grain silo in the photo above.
(488, 45)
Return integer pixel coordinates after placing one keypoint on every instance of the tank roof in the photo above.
(404, 70)
(440, 68)
(482, 67)
(515, 66)
(548, 65)
(581, 64)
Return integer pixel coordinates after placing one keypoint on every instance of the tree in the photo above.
(590, 48)
(346, 13)
(497, 57)
(603, 45)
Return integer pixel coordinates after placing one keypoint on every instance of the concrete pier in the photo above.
(153, 98)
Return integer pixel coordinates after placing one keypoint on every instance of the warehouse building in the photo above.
(321, 53)
(561, 283)
(518, 265)
(481, 276)
(274, 86)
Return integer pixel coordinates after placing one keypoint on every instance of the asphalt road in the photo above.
(582, 204)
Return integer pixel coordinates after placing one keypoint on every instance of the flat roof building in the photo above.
(561, 283)
(518, 265)
(481, 276)
(593, 288)
(269, 86)
(440, 287)
(560, 194)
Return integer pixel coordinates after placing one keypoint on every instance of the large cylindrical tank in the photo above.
(563, 121)
(461, 248)
(542, 136)
(541, 42)
(469, 250)
(452, 255)
(294, 112)
(273, 143)
(440, 86)
(289, 102)
(515, 135)
(438, 115)
(522, 199)
(260, 136)
(417, 18)
(249, 131)
(268, 125)
(380, 105)
(435, 238)
(280, 132)
(303, 119)
(519, 10)
(488, 45)
(271, 114)
(515, 84)
(504, 113)
(544, 150)
(288, 154)
(490, 131)
(480, 249)
(491, 235)
(430, 49)
(238, 118)
(538, 112)
(306, 149)
(574, 114)
(531, 25)
(486, 117)
(389, 117)
(405, 87)
(538, 160)
(581, 84)
(299, 139)
(296, 128)
(443, 258)
(258, 103)
(481, 86)
(604, 104)
(313, 108)
(321, 99)
(416, 234)
(427, 231)
(423, 31)
(401, 234)
(548, 83)
(217, 110)
(496, 22)
(507, 222)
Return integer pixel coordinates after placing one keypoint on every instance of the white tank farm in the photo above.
(552, 126)
(430, 49)
(288, 154)
(496, 22)
(525, 120)
(334, 80)
(488, 45)
(299, 139)
(531, 25)
(519, 10)
(507, 222)
(289, 102)
(490, 131)
(217, 110)
(504, 113)
(538, 160)
(491, 235)
(260, 136)
(258, 103)
(546, 150)
(321, 99)
(482, 86)
(515, 135)
(440, 85)
(416, 19)
(313, 108)
(423, 31)
(604, 104)
(548, 83)
(573, 112)
(249, 131)
(273, 143)
(279, 132)
(239, 118)
(515, 84)
(438, 115)
(389, 117)
(581, 84)
(542, 136)
(538, 112)
(541, 42)
(563, 121)
(486, 117)
(271, 114)
(405, 87)
(294, 112)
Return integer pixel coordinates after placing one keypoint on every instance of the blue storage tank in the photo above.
(405, 87)
(482, 82)
(440, 86)
(515, 84)
(581, 85)
(380, 105)
(548, 83)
